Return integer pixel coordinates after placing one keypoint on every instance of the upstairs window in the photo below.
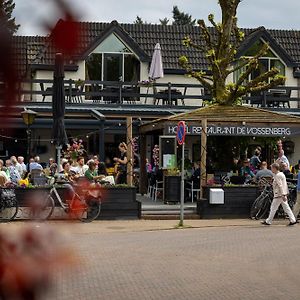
(266, 63)
(112, 60)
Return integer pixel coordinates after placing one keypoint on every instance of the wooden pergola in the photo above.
(258, 122)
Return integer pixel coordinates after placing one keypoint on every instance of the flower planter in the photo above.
(118, 202)
(237, 203)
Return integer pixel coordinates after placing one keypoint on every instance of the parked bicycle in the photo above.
(8, 204)
(85, 207)
(261, 206)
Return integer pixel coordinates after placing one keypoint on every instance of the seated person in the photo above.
(91, 173)
(263, 172)
(255, 160)
(3, 180)
(296, 168)
(102, 169)
(286, 171)
(14, 174)
(35, 165)
(246, 171)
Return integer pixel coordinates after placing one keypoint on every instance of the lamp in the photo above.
(28, 119)
(28, 116)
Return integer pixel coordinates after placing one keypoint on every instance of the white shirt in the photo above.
(80, 170)
(280, 187)
(19, 168)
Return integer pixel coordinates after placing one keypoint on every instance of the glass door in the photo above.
(113, 67)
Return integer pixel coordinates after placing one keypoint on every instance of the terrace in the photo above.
(179, 96)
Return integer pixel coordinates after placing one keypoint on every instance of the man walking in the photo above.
(281, 191)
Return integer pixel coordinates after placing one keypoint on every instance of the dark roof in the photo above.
(26, 49)
(142, 38)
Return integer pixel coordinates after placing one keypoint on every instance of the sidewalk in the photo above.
(136, 225)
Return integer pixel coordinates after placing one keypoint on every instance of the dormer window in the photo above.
(112, 60)
(266, 63)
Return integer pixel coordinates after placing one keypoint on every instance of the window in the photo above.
(266, 63)
(93, 70)
(112, 44)
(113, 67)
(131, 68)
(113, 61)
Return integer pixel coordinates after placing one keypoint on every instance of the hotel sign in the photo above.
(237, 130)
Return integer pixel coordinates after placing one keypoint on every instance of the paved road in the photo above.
(240, 262)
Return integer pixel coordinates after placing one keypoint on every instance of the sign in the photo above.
(180, 132)
(216, 130)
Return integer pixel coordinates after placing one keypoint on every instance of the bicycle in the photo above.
(261, 206)
(8, 204)
(86, 208)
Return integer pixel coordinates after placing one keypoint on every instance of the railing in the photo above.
(167, 94)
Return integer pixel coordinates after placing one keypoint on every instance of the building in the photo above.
(104, 82)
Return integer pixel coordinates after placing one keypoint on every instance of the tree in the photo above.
(221, 52)
(181, 18)
(164, 21)
(6, 20)
(140, 21)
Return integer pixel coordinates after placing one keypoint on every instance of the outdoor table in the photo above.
(164, 96)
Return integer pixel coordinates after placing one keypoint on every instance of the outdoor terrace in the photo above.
(184, 96)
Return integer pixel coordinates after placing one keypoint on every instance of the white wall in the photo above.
(48, 75)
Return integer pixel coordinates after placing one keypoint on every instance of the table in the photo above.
(168, 97)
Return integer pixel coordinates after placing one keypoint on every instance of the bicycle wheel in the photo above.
(86, 210)
(259, 207)
(42, 208)
(9, 210)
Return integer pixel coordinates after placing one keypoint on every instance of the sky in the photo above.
(32, 15)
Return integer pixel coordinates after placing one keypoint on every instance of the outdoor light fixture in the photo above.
(28, 119)
(28, 116)
(244, 123)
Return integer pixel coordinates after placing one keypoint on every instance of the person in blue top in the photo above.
(296, 208)
(246, 172)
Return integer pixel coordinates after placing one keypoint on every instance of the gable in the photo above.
(115, 35)
(262, 35)
(112, 44)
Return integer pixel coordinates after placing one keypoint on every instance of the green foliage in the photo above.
(182, 18)
(6, 20)
(140, 21)
(221, 52)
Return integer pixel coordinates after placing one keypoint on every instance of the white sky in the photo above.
(32, 14)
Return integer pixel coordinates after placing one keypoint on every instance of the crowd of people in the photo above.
(16, 172)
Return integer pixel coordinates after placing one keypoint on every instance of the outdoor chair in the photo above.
(158, 187)
(150, 189)
(45, 92)
(37, 177)
(192, 189)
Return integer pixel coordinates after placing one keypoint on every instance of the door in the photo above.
(113, 67)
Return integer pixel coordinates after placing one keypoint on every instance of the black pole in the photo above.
(143, 172)
(101, 142)
(28, 131)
